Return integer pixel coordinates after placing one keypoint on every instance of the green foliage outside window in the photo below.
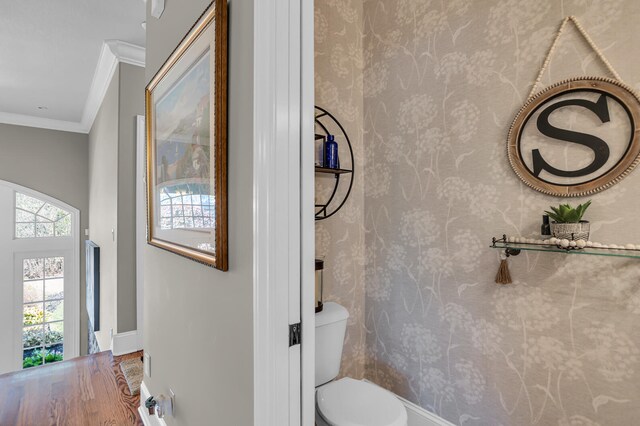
(37, 357)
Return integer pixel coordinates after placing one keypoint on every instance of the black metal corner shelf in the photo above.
(331, 171)
(514, 249)
(324, 120)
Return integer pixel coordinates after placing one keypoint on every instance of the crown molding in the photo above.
(127, 52)
(112, 53)
(41, 122)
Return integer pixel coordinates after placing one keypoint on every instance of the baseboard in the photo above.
(144, 413)
(418, 416)
(125, 343)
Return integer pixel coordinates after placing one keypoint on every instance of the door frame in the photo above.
(70, 349)
(20, 246)
(307, 212)
(283, 231)
(141, 221)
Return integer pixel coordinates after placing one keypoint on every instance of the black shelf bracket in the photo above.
(324, 121)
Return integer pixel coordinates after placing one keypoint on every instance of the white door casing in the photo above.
(141, 220)
(307, 211)
(283, 245)
(12, 250)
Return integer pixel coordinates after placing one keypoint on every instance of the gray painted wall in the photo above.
(103, 205)
(54, 163)
(112, 158)
(197, 320)
(131, 104)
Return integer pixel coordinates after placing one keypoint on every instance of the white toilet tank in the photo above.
(331, 325)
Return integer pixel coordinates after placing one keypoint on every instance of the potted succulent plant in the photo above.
(567, 223)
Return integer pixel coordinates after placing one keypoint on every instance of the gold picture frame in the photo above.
(606, 93)
(186, 130)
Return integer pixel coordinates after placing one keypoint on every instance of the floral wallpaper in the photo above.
(440, 84)
(340, 238)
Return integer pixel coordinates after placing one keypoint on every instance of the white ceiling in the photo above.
(49, 52)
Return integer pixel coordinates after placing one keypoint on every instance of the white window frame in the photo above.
(44, 247)
(71, 332)
(15, 219)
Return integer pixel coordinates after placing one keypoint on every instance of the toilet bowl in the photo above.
(347, 402)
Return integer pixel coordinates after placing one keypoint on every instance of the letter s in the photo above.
(597, 145)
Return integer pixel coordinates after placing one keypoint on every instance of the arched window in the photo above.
(36, 218)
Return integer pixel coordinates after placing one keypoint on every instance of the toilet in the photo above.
(347, 402)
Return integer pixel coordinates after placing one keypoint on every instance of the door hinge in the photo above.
(295, 334)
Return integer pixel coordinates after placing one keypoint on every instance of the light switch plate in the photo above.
(147, 365)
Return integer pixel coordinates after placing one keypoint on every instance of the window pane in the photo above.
(31, 358)
(32, 291)
(53, 353)
(32, 314)
(25, 230)
(54, 311)
(22, 216)
(63, 226)
(33, 269)
(49, 212)
(54, 267)
(53, 333)
(54, 289)
(44, 229)
(32, 336)
(27, 203)
(49, 220)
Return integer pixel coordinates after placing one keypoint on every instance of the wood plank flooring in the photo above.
(84, 391)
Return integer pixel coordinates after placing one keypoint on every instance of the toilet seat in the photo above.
(349, 402)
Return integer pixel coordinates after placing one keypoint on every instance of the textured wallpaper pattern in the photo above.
(441, 83)
(340, 238)
(560, 346)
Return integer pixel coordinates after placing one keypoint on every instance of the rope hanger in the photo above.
(552, 49)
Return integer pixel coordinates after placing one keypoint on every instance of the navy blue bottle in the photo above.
(331, 153)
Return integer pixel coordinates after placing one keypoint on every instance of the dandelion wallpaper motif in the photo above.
(429, 90)
(340, 239)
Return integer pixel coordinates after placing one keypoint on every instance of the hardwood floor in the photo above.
(84, 391)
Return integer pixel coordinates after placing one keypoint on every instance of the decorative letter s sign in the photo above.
(577, 137)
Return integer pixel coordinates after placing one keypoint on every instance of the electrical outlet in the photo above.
(147, 365)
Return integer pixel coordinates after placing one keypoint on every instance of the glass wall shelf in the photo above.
(513, 249)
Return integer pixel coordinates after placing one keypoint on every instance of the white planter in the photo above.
(571, 231)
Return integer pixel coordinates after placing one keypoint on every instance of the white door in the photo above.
(39, 279)
(43, 326)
